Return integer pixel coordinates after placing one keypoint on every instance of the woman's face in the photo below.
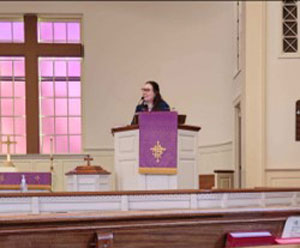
(148, 93)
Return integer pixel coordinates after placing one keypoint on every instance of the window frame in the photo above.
(32, 46)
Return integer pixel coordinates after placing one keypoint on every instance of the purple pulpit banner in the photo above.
(158, 142)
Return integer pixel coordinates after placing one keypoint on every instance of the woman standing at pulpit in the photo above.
(151, 99)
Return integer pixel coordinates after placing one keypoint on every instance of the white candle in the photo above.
(51, 147)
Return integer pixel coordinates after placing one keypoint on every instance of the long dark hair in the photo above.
(157, 98)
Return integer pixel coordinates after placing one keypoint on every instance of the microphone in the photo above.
(144, 104)
(141, 101)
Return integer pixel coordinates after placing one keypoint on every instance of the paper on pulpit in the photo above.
(292, 227)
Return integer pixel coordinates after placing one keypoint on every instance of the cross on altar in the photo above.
(88, 159)
(8, 142)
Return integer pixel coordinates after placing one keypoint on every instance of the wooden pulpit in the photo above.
(128, 172)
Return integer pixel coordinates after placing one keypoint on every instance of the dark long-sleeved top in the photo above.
(161, 106)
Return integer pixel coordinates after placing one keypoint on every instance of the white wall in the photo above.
(282, 87)
(283, 90)
(186, 46)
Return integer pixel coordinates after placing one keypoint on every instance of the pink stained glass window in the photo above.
(19, 89)
(7, 107)
(19, 107)
(63, 88)
(12, 31)
(21, 144)
(6, 68)
(60, 32)
(46, 68)
(6, 32)
(75, 144)
(46, 144)
(73, 32)
(47, 89)
(20, 126)
(6, 89)
(48, 126)
(74, 68)
(74, 89)
(18, 31)
(75, 107)
(61, 125)
(7, 125)
(60, 89)
(61, 108)
(61, 144)
(3, 147)
(74, 125)
(47, 107)
(12, 102)
(60, 68)
(46, 32)
(19, 68)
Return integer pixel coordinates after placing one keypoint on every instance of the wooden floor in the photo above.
(132, 229)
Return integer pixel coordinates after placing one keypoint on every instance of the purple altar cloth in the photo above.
(34, 179)
(158, 142)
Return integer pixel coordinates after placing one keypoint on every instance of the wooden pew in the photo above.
(135, 229)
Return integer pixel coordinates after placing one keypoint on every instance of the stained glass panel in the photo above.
(61, 91)
(12, 102)
(12, 31)
(59, 31)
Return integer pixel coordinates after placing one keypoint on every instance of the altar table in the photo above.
(36, 181)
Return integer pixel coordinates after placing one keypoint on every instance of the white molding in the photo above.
(281, 169)
(229, 202)
(215, 144)
(44, 156)
(98, 149)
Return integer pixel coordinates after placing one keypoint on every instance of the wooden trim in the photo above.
(125, 128)
(149, 192)
(30, 186)
(12, 49)
(88, 170)
(199, 217)
(224, 171)
(60, 50)
(32, 85)
(189, 127)
(155, 170)
(134, 127)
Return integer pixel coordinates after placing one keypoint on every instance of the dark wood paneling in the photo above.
(206, 181)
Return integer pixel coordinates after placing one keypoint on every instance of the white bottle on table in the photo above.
(23, 184)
